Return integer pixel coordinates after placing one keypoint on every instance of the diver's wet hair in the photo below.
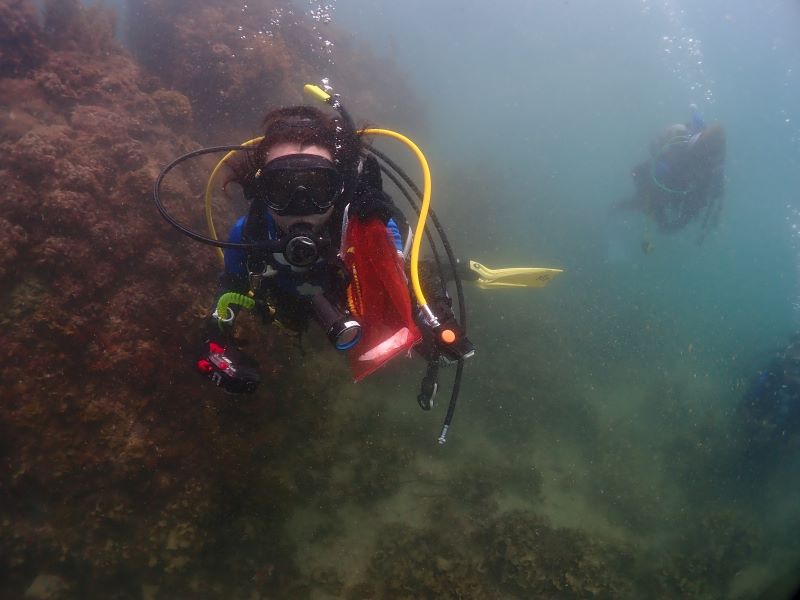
(305, 126)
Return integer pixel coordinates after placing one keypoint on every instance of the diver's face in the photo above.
(285, 220)
(287, 148)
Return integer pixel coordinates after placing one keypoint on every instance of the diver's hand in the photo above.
(228, 367)
(371, 173)
(369, 203)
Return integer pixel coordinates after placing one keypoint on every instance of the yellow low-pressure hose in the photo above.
(212, 179)
(423, 213)
(317, 93)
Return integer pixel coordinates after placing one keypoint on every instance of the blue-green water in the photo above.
(599, 448)
(626, 372)
(557, 103)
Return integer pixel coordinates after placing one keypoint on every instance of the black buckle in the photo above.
(429, 386)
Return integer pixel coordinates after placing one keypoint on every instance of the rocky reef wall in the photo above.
(112, 462)
(234, 59)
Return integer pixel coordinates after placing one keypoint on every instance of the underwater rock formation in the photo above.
(532, 559)
(21, 48)
(84, 351)
(720, 545)
(120, 463)
(235, 60)
(410, 563)
(518, 554)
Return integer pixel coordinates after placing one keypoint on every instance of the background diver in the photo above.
(770, 411)
(322, 241)
(683, 177)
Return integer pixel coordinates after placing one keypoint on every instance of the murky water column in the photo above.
(321, 15)
(681, 50)
(787, 115)
(278, 16)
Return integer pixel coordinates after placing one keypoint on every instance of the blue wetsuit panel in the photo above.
(235, 259)
(394, 235)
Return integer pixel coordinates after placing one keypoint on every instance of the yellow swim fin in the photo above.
(519, 277)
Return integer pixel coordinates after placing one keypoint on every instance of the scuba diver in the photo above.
(323, 242)
(770, 412)
(682, 178)
(306, 181)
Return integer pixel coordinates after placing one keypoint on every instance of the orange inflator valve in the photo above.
(452, 342)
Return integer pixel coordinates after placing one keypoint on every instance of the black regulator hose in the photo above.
(462, 317)
(266, 245)
(451, 407)
(404, 190)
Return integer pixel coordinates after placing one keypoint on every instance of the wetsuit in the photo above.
(286, 289)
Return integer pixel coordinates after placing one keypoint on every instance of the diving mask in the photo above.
(299, 184)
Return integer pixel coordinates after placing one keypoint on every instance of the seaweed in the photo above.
(21, 47)
(409, 563)
(531, 558)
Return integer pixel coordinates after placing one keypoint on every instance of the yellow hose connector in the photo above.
(317, 93)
